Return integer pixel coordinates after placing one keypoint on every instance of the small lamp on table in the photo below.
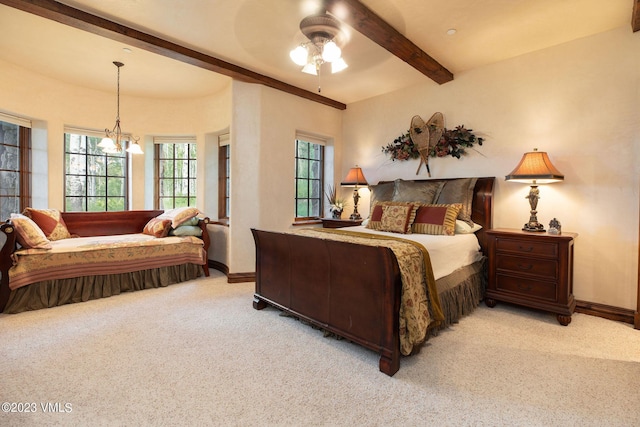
(355, 177)
(535, 168)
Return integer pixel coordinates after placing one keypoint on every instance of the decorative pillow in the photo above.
(436, 219)
(380, 193)
(186, 230)
(395, 217)
(422, 191)
(157, 227)
(464, 228)
(179, 216)
(28, 234)
(459, 191)
(50, 222)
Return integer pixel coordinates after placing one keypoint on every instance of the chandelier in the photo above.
(112, 142)
(324, 34)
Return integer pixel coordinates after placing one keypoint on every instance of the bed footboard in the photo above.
(308, 278)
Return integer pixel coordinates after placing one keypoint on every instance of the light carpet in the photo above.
(197, 353)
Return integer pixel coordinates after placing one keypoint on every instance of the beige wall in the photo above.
(580, 102)
(263, 131)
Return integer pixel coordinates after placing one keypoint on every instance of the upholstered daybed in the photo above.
(50, 258)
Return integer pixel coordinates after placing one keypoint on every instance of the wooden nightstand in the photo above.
(532, 269)
(339, 222)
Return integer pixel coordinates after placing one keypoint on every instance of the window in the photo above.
(224, 176)
(175, 173)
(309, 179)
(94, 181)
(15, 167)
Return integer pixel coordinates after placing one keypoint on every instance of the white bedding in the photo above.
(447, 253)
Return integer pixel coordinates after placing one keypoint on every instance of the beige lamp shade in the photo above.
(354, 177)
(535, 167)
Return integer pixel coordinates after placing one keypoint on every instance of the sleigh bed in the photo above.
(353, 282)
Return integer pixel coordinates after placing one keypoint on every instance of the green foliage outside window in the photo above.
(176, 175)
(94, 181)
(309, 167)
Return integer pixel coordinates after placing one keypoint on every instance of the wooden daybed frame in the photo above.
(85, 224)
(347, 289)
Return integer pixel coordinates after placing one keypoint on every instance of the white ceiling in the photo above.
(258, 35)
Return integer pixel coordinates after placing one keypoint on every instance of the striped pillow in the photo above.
(436, 219)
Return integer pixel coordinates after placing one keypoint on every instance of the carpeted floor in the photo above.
(197, 353)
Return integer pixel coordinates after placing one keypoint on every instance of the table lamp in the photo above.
(534, 168)
(355, 177)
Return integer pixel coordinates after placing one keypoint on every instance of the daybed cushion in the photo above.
(436, 219)
(459, 191)
(157, 227)
(423, 192)
(50, 222)
(28, 234)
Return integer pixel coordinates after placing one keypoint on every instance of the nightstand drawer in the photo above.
(527, 247)
(544, 268)
(528, 287)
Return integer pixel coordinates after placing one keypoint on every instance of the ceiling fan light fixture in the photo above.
(338, 65)
(331, 52)
(310, 68)
(299, 55)
(325, 36)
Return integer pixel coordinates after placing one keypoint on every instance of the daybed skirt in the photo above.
(52, 293)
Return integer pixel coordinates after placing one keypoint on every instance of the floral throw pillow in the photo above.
(157, 227)
(50, 222)
(28, 234)
(395, 217)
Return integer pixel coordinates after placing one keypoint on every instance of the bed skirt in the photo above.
(461, 292)
(52, 293)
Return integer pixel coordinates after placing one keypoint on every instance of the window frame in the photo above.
(23, 146)
(320, 180)
(224, 180)
(191, 196)
(86, 134)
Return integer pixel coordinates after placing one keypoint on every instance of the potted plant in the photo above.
(336, 204)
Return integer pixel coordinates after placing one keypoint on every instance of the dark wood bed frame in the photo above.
(350, 290)
(86, 224)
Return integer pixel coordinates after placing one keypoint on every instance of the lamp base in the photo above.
(355, 216)
(534, 227)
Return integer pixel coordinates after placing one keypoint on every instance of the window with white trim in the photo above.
(309, 178)
(175, 166)
(94, 181)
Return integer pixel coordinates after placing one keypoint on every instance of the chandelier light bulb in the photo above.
(107, 144)
(299, 55)
(331, 52)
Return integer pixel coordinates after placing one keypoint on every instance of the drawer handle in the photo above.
(525, 266)
(524, 287)
(527, 249)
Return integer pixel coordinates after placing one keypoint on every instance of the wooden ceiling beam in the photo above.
(370, 25)
(76, 18)
(635, 16)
